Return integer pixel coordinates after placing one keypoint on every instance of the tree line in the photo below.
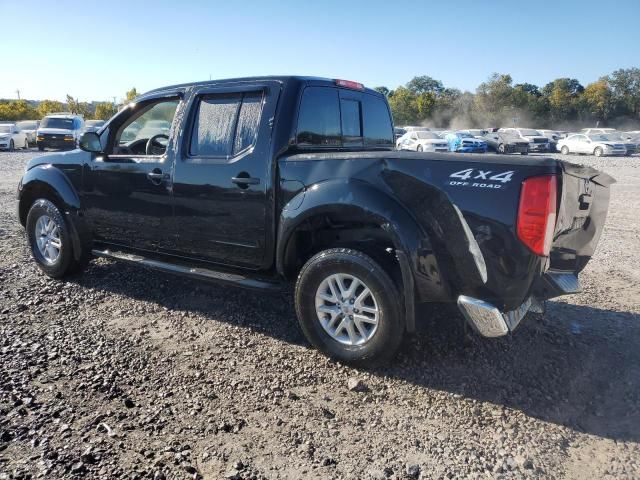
(15, 110)
(564, 103)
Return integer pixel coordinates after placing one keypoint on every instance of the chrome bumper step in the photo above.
(487, 320)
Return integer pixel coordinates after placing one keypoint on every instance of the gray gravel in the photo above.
(125, 373)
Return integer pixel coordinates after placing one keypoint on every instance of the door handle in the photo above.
(156, 176)
(244, 181)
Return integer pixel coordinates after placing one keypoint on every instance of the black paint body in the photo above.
(199, 216)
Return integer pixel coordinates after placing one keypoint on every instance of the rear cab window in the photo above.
(331, 117)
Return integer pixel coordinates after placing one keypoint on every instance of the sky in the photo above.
(99, 50)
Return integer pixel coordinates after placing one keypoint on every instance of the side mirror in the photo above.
(90, 142)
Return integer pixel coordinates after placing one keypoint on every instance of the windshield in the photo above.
(529, 132)
(52, 122)
(427, 136)
(27, 125)
(5, 128)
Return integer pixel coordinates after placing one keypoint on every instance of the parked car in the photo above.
(29, 127)
(553, 136)
(274, 180)
(596, 131)
(594, 144)
(11, 137)
(60, 131)
(398, 132)
(630, 143)
(506, 142)
(476, 132)
(93, 125)
(419, 141)
(416, 129)
(537, 141)
(463, 142)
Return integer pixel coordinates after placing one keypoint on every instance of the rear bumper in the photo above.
(486, 319)
(538, 147)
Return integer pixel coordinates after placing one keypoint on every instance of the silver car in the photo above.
(595, 144)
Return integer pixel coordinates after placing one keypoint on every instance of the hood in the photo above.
(55, 131)
(72, 157)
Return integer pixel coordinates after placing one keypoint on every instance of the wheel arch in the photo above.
(374, 214)
(45, 181)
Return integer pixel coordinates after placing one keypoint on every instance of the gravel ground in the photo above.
(125, 373)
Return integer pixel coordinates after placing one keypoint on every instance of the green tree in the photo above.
(625, 86)
(597, 99)
(404, 106)
(383, 90)
(494, 98)
(49, 106)
(563, 95)
(424, 84)
(105, 110)
(77, 107)
(131, 95)
(14, 110)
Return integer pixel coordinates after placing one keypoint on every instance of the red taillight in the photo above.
(350, 84)
(537, 213)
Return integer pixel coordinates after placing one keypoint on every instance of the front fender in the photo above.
(47, 178)
(47, 181)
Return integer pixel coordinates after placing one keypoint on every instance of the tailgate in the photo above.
(584, 201)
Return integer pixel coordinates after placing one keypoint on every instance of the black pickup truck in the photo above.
(257, 182)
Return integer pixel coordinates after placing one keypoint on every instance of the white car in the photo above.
(11, 137)
(422, 141)
(537, 141)
(595, 144)
(29, 127)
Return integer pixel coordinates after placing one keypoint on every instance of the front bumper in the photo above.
(511, 148)
(58, 143)
(470, 149)
(4, 144)
(538, 147)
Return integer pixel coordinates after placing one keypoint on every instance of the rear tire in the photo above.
(419, 148)
(358, 342)
(11, 146)
(41, 148)
(524, 153)
(26, 144)
(501, 148)
(564, 150)
(598, 151)
(49, 238)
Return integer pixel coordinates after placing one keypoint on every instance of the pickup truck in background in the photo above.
(269, 180)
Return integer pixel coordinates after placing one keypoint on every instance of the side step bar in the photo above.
(225, 278)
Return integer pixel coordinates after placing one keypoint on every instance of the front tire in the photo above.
(49, 238)
(419, 148)
(41, 148)
(564, 150)
(26, 144)
(11, 146)
(348, 307)
(501, 148)
(598, 151)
